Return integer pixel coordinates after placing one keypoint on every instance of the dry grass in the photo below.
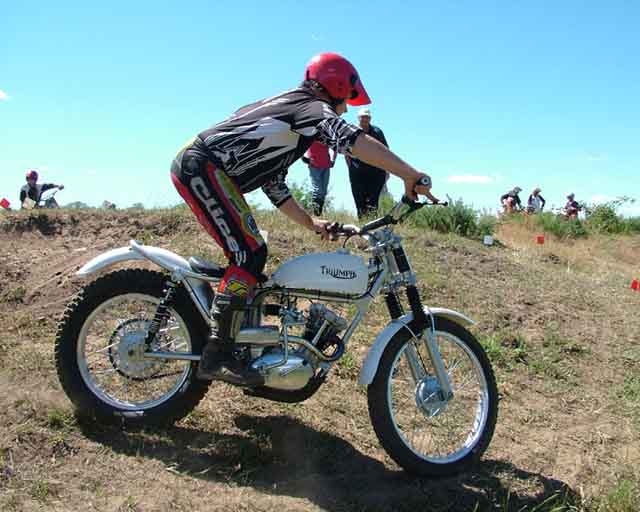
(559, 322)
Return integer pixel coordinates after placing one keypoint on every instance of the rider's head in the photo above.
(517, 190)
(571, 196)
(335, 77)
(536, 191)
(32, 177)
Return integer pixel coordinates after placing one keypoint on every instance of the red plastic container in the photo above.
(635, 285)
(4, 203)
(540, 239)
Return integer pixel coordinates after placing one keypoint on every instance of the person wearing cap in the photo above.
(511, 200)
(32, 190)
(572, 207)
(536, 202)
(366, 180)
(320, 164)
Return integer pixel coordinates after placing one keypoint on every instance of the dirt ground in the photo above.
(562, 330)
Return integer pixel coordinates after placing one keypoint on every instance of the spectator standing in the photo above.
(320, 165)
(366, 180)
(536, 202)
(572, 207)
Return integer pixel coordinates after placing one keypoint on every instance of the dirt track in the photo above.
(565, 344)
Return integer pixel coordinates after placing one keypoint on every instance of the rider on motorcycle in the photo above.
(254, 148)
(32, 190)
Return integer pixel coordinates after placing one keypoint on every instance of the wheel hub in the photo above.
(127, 355)
(428, 397)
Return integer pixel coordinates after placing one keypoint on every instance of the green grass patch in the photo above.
(505, 350)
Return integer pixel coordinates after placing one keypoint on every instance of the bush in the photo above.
(304, 196)
(603, 218)
(560, 226)
(631, 225)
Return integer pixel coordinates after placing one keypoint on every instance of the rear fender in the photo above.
(168, 260)
(371, 362)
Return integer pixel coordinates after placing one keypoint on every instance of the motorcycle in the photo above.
(46, 200)
(128, 345)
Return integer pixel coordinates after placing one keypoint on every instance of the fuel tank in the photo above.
(329, 272)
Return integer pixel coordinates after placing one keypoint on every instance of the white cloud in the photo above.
(471, 178)
(3, 95)
(316, 37)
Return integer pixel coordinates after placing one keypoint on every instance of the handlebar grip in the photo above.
(424, 181)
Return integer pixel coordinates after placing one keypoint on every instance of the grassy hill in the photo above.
(559, 322)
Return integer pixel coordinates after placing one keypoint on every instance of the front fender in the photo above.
(370, 365)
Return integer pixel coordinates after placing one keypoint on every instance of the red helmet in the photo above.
(32, 175)
(338, 76)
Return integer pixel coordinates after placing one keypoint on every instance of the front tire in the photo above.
(423, 435)
(98, 351)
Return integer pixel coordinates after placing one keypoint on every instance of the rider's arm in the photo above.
(48, 186)
(295, 212)
(375, 153)
(23, 195)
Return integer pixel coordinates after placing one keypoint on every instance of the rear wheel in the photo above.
(423, 433)
(99, 351)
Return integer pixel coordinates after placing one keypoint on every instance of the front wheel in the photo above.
(424, 433)
(100, 348)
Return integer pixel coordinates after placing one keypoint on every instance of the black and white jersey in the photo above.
(34, 192)
(258, 143)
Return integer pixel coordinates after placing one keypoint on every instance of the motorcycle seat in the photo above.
(206, 267)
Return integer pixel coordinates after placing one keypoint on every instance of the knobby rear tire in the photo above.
(121, 282)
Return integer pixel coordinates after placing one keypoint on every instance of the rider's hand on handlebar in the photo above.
(419, 186)
(320, 227)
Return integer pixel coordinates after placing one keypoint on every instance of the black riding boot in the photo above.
(218, 361)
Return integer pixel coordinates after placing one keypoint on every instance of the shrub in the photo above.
(560, 226)
(303, 195)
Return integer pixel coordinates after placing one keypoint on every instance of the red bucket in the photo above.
(540, 239)
(4, 203)
(635, 285)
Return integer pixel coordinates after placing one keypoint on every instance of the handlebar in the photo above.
(400, 211)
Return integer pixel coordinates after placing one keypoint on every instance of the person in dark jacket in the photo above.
(367, 181)
(572, 207)
(511, 200)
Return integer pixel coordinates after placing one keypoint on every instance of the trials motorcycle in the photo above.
(128, 345)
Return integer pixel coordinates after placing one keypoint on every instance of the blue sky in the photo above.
(482, 95)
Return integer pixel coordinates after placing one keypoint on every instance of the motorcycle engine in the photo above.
(301, 365)
(318, 315)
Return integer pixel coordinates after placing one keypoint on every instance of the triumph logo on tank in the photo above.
(338, 273)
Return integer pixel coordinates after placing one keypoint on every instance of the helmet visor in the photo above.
(359, 94)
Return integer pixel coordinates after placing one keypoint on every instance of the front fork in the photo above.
(424, 331)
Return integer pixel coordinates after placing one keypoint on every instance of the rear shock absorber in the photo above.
(162, 313)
